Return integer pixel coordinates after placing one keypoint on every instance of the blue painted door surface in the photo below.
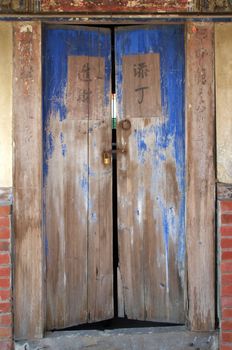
(151, 172)
(77, 185)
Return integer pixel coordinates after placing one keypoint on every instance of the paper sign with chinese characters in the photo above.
(141, 86)
(85, 90)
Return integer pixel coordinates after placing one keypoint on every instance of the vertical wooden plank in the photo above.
(151, 193)
(200, 206)
(27, 135)
(100, 242)
(223, 57)
(77, 129)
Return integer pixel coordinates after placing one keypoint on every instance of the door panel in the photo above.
(151, 172)
(77, 186)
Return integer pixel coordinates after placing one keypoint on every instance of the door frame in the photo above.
(200, 177)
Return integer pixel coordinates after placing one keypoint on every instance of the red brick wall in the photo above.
(5, 279)
(225, 273)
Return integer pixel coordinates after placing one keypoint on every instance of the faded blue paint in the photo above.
(142, 148)
(58, 44)
(169, 136)
(50, 145)
(89, 171)
(46, 246)
(93, 217)
(63, 145)
(84, 183)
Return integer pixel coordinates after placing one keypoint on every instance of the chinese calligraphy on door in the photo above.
(141, 86)
(86, 86)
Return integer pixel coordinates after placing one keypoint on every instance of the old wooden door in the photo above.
(77, 186)
(151, 172)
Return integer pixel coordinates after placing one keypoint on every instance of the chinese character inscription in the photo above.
(141, 85)
(85, 94)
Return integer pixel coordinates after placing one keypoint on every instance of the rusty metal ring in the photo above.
(125, 124)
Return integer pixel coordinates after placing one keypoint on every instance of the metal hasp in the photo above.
(107, 155)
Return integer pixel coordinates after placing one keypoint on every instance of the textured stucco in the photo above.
(6, 105)
(223, 56)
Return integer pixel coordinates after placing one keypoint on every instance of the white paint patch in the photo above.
(26, 28)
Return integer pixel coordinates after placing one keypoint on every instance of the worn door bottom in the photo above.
(168, 338)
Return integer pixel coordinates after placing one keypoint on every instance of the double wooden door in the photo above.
(77, 137)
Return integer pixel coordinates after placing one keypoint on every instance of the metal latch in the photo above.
(107, 155)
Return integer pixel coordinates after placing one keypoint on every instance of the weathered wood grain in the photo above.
(78, 216)
(100, 245)
(27, 135)
(145, 73)
(150, 175)
(200, 206)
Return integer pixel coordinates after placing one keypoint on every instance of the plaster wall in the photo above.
(6, 104)
(223, 57)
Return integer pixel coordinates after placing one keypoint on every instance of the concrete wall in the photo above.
(6, 105)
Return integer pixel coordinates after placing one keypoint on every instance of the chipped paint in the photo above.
(117, 5)
(26, 28)
(156, 152)
(76, 214)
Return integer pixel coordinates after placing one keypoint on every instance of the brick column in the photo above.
(5, 279)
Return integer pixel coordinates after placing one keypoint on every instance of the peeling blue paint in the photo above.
(58, 45)
(63, 145)
(141, 145)
(168, 136)
(46, 246)
(84, 184)
(89, 171)
(93, 217)
(50, 145)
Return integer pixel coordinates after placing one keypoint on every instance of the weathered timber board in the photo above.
(200, 205)
(151, 172)
(27, 135)
(77, 186)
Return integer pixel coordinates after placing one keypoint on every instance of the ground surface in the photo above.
(169, 338)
